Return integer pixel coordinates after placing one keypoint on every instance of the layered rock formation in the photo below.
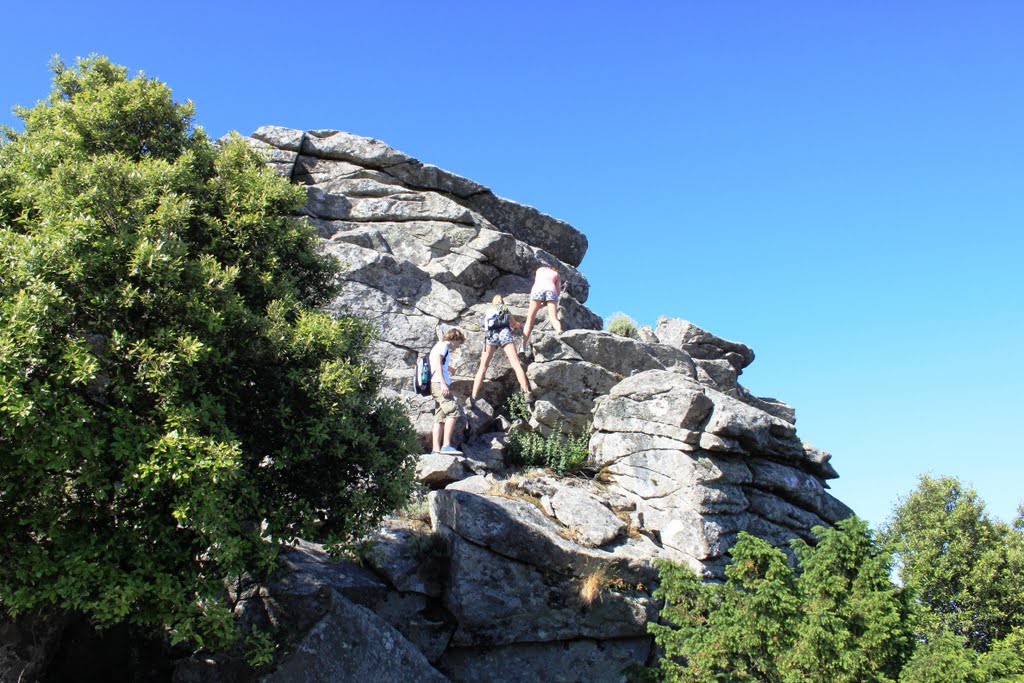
(533, 572)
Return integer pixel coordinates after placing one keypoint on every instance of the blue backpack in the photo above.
(421, 374)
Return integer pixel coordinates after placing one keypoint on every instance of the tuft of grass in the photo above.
(593, 585)
(622, 325)
(417, 507)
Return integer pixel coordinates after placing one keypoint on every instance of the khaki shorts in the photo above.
(447, 408)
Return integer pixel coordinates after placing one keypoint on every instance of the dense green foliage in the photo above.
(622, 325)
(166, 386)
(559, 451)
(957, 617)
(837, 619)
(966, 571)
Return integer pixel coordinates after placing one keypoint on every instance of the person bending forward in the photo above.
(500, 336)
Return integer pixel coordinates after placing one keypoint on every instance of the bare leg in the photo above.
(530, 316)
(449, 427)
(437, 437)
(517, 367)
(553, 316)
(485, 360)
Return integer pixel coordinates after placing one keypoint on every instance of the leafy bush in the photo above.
(839, 618)
(622, 325)
(170, 398)
(559, 451)
(966, 572)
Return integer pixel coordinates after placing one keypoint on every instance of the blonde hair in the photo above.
(497, 300)
(454, 334)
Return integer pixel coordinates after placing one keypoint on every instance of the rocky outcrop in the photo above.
(528, 575)
(703, 466)
(423, 249)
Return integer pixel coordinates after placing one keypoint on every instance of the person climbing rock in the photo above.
(497, 323)
(543, 293)
(446, 411)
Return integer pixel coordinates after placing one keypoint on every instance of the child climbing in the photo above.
(544, 292)
(447, 411)
(497, 323)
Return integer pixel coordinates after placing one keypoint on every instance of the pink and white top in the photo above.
(546, 280)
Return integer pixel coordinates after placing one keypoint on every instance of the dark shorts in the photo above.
(546, 295)
(446, 408)
(498, 337)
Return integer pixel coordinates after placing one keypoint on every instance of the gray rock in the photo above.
(313, 170)
(437, 470)
(402, 205)
(486, 453)
(351, 643)
(497, 600)
(517, 528)
(428, 176)
(655, 402)
(624, 356)
(834, 510)
(287, 139)
(596, 661)
(309, 572)
(571, 388)
(592, 523)
(791, 482)
(702, 344)
(682, 448)
(718, 374)
(332, 144)
(478, 484)
(406, 554)
(531, 226)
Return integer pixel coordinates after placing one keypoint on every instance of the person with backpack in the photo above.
(543, 293)
(497, 324)
(446, 411)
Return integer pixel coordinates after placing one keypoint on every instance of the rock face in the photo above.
(528, 576)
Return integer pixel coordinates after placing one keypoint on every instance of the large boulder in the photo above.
(702, 466)
(351, 643)
(596, 661)
(701, 344)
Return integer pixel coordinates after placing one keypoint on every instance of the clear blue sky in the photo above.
(839, 185)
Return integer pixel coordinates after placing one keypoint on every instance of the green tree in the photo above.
(170, 398)
(838, 618)
(733, 631)
(966, 572)
(854, 623)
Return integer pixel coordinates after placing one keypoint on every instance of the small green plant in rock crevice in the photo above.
(622, 325)
(560, 451)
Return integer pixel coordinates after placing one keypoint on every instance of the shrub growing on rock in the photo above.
(560, 451)
(622, 325)
(169, 397)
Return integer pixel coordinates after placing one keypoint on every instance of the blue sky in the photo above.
(839, 185)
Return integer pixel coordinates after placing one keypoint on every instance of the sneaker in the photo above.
(451, 450)
(528, 396)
